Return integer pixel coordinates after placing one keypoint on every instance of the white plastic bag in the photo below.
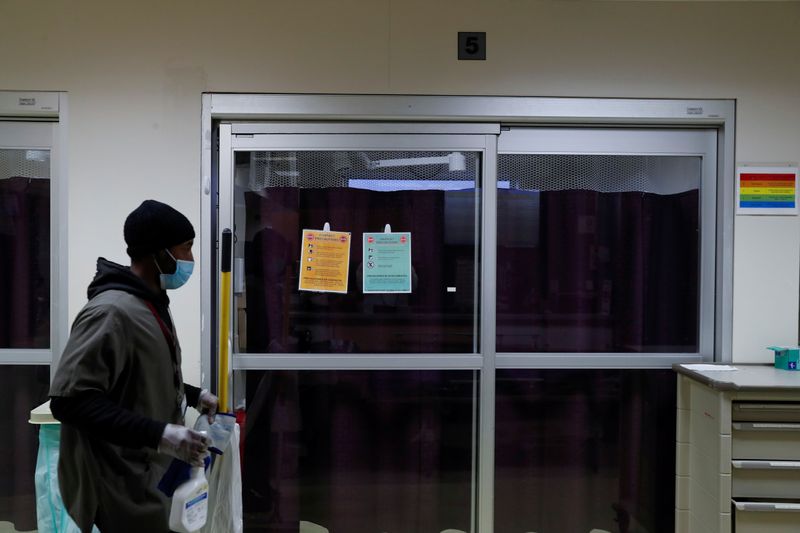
(51, 515)
(224, 476)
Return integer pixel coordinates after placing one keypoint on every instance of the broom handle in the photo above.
(224, 323)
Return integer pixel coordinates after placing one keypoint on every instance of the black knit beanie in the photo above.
(154, 226)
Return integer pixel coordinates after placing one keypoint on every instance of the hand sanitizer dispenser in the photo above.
(786, 358)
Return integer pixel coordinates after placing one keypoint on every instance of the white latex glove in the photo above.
(185, 444)
(208, 404)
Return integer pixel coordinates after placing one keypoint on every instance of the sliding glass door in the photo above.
(357, 326)
(450, 327)
(605, 253)
(27, 262)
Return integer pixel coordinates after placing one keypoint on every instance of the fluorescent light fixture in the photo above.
(417, 185)
(455, 161)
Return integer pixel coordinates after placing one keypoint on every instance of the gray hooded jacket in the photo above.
(117, 348)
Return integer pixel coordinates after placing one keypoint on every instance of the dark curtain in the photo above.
(358, 451)
(24, 324)
(24, 387)
(430, 319)
(372, 451)
(24, 263)
(584, 449)
(604, 272)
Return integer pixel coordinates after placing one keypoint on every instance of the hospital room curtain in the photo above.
(24, 324)
(24, 263)
(645, 299)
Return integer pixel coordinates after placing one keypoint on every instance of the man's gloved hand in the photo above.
(185, 444)
(208, 404)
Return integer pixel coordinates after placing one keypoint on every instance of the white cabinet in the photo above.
(738, 450)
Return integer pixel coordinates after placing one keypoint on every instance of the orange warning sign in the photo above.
(324, 261)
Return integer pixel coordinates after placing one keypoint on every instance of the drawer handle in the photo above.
(766, 465)
(769, 507)
(765, 426)
(767, 407)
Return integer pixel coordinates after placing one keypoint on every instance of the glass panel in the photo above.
(432, 195)
(583, 449)
(359, 451)
(24, 387)
(24, 248)
(598, 253)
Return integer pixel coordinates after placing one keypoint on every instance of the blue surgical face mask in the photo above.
(183, 271)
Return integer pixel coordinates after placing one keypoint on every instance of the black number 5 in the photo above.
(472, 45)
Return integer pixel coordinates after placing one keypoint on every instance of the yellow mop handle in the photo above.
(224, 323)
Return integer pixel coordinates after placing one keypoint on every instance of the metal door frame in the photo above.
(231, 143)
(379, 137)
(38, 120)
(339, 112)
(631, 141)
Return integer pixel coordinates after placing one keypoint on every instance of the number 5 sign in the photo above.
(472, 45)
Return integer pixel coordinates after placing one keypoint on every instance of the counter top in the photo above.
(747, 377)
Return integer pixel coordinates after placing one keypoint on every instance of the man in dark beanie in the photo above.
(119, 391)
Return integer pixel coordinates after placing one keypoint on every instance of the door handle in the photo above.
(766, 426)
(766, 407)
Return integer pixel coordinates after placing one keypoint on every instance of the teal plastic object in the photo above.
(786, 358)
(51, 516)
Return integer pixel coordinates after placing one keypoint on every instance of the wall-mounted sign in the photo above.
(472, 45)
(766, 191)
(324, 261)
(387, 263)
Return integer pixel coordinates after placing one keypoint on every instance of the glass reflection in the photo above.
(359, 451)
(24, 248)
(578, 450)
(598, 253)
(24, 387)
(278, 194)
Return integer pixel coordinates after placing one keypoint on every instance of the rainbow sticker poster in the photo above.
(766, 191)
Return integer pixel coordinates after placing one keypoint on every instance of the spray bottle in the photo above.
(190, 503)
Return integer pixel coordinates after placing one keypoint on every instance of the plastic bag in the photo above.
(219, 433)
(224, 476)
(51, 515)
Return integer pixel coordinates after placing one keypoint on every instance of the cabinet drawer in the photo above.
(766, 517)
(777, 441)
(765, 412)
(765, 479)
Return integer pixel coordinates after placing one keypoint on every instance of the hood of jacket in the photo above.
(112, 276)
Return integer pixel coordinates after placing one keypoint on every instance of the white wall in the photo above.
(135, 73)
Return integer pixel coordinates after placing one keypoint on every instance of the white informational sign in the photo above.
(387, 263)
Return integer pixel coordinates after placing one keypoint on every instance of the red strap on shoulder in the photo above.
(170, 338)
(173, 350)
